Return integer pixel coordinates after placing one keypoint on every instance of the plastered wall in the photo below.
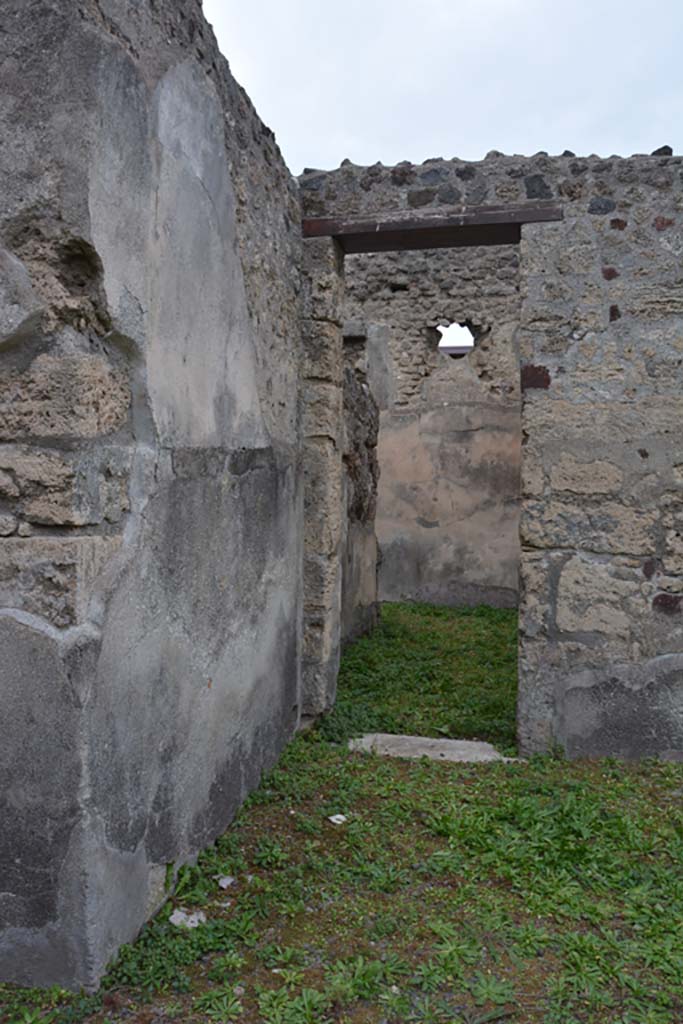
(150, 467)
(450, 430)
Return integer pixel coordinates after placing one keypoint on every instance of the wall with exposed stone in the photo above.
(601, 351)
(360, 554)
(150, 467)
(187, 489)
(324, 512)
(450, 435)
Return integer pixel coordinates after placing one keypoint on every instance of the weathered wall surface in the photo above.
(450, 435)
(153, 484)
(324, 515)
(150, 492)
(601, 351)
(360, 609)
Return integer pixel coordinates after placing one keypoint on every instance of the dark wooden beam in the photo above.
(473, 225)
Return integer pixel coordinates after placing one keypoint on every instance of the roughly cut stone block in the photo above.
(323, 293)
(20, 307)
(606, 527)
(68, 396)
(592, 477)
(78, 491)
(673, 542)
(8, 525)
(323, 353)
(322, 411)
(52, 578)
(532, 476)
(590, 599)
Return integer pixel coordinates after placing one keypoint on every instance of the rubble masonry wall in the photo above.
(450, 430)
(600, 341)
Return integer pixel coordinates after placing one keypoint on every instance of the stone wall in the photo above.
(324, 514)
(601, 352)
(360, 554)
(171, 456)
(450, 436)
(150, 467)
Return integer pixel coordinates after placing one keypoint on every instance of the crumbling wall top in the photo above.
(602, 184)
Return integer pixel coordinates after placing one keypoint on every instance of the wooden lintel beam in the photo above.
(465, 226)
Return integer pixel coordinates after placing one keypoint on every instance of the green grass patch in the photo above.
(543, 892)
(431, 671)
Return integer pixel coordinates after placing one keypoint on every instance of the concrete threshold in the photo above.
(413, 747)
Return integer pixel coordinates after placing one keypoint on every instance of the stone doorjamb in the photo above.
(324, 508)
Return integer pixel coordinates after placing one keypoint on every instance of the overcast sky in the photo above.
(391, 80)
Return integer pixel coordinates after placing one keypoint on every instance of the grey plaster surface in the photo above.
(150, 483)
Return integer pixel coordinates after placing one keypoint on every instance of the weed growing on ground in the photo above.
(544, 892)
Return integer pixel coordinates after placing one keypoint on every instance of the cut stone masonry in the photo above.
(323, 439)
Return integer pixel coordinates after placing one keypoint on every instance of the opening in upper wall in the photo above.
(457, 340)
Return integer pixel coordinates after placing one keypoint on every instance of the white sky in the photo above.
(390, 80)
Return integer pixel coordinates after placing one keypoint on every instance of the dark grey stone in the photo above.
(433, 176)
(600, 205)
(421, 197)
(449, 194)
(313, 184)
(537, 187)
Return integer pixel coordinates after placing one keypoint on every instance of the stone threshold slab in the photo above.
(388, 745)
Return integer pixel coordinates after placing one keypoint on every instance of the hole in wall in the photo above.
(456, 339)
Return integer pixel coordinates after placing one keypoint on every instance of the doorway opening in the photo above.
(450, 434)
(439, 358)
(449, 439)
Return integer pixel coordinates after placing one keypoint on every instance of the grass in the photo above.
(532, 893)
(431, 671)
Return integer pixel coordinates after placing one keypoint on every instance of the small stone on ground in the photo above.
(183, 919)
